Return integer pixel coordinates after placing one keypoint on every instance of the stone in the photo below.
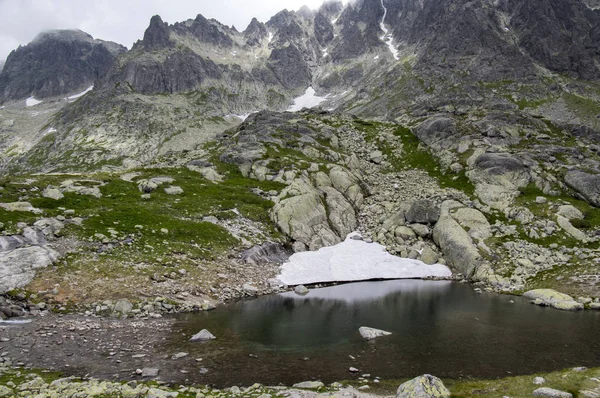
(428, 256)
(585, 184)
(353, 370)
(457, 245)
(368, 333)
(566, 225)
(425, 386)
(423, 212)
(313, 385)
(570, 212)
(150, 372)
(551, 393)
(538, 380)
(404, 233)
(553, 299)
(376, 157)
(18, 267)
(179, 355)
(203, 335)
(158, 393)
(6, 392)
(123, 306)
(20, 206)
(301, 290)
(420, 230)
(250, 289)
(473, 221)
(52, 193)
(173, 190)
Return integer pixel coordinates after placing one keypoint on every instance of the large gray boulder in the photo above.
(438, 132)
(425, 386)
(586, 185)
(548, 392)
(18, 267)
(456, 243)
(423, 212)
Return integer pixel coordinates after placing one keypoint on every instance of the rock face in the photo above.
(553, 299)
(56, 63)
(586, 185)
(425, 386)
(269, 252)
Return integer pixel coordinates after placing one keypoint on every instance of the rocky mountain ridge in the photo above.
(55, 63)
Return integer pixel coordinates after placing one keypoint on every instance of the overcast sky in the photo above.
(124, 21)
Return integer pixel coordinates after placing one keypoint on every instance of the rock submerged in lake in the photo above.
(553, 299)
(425, 386)
(203, 335)
(368, 333)
(551, 393)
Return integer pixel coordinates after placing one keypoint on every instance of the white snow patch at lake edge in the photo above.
(31, 101)
(81, 94)
(307, 100)
(354, 260)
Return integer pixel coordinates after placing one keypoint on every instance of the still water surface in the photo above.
(438, 327)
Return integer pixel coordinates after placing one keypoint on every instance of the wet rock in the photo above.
(425, 386)
(203, 335)
(551, 393)
(301, 290)
(553, 299)
(368, 333)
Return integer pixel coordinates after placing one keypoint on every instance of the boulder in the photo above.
(203, 335)
(570, 212)
(376, 157)
(52, 193)
(368, 333)
(473, 221)
(586, 185)
(301, 290)
(340, 212)
(123, 306)
(548, 392)
(425, 386)
(428, 256)
(456, 244)
(20, 206)
(313, 385)
(173, 190)
(437, 132)
(566, 225)
(18, 267)
(553, 299)
(423, 212)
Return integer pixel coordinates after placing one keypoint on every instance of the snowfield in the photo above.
(308, 100)
(81, 94)
(31, 101)
(354, 260)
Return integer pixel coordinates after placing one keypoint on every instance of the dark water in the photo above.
(442, 328)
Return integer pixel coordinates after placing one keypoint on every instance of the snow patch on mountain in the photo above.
(308, 100)
(354, 260)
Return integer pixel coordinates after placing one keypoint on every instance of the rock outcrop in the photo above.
(56, 63)
(425, 386)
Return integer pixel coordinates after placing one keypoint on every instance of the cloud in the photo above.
(124, 21)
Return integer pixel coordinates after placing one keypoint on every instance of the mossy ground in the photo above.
(144, 237)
